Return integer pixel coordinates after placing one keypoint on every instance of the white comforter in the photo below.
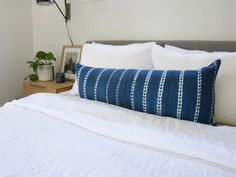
(47, 135)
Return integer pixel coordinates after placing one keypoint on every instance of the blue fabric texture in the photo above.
(186, 95)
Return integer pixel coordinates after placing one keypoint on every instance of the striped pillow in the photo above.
(186, 95)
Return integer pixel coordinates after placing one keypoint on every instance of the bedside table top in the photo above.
(32, 87)
(49, 84)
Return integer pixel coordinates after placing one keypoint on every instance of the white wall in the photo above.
(102, 20)
(16, 46)
(135, 19)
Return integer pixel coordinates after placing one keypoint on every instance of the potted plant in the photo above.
(42, 67)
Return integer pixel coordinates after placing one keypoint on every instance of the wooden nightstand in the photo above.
(30, 87)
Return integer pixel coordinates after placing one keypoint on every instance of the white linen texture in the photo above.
(57, 135)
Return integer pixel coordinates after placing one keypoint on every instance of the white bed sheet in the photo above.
(47, 135)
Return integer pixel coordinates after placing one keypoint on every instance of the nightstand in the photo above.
(30, 87)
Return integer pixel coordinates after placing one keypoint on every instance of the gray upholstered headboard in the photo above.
(209, 46)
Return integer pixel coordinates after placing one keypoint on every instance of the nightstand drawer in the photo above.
(30, 87)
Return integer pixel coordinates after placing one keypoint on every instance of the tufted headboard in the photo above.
(209, 46)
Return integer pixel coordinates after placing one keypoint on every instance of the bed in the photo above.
(47, 135)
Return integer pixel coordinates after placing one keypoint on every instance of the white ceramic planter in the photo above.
(45, 72)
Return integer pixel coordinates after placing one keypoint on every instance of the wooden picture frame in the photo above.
(71, 54)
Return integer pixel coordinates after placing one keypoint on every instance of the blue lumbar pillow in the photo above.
(186, 95)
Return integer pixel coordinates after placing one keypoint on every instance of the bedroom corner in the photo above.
(16, 47)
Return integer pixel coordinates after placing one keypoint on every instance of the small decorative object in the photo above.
(60, 77)
(70, 56)
(42, 67)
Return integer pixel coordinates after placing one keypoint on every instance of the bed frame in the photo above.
(209, 46)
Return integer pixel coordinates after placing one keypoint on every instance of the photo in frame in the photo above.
(70, 56)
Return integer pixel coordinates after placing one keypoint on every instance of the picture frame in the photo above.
(71, 54)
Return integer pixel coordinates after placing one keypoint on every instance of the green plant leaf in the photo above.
(33, 77)
(49, 57)
(35, 66)
(40, 54)
(41, 58)
(29, 62)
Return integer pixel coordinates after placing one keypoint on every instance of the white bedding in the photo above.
(48, 135)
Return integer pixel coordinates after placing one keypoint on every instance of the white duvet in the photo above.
(48, 135)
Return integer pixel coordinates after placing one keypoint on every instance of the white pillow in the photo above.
(180, 50)
(136, 56)
(132, 56)
(74, 90)
(225, 107)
